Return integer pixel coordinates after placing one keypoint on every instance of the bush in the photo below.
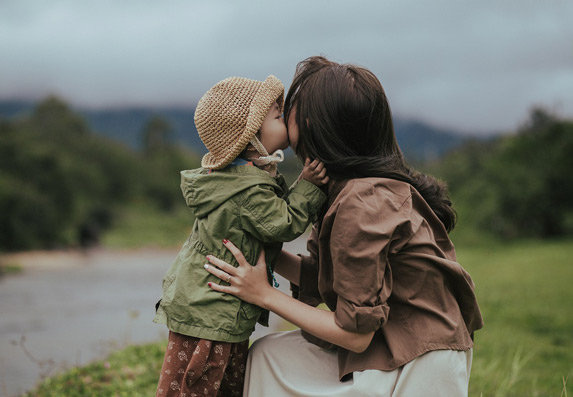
(518, 185)
(62, 185)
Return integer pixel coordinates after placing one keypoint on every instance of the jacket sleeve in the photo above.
(363, 229)
(270, 218)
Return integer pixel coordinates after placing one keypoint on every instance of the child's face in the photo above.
(273, 132)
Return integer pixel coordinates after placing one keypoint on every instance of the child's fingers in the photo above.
(236, 253)
(314, 164)
(325, 180)
(319, 166)
(322, 173)
(307, 162)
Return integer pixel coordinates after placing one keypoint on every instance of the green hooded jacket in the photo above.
(251, 209)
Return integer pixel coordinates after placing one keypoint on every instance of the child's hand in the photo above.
(314, 172)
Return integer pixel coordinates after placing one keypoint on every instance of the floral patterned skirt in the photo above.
(200, 367)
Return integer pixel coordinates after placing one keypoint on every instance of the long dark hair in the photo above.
(344, 120)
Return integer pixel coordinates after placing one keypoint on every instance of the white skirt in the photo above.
(285, 364)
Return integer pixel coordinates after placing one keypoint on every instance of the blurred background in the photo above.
(96, 121)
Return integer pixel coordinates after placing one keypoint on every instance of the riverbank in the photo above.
(58, 259)
(68, 308)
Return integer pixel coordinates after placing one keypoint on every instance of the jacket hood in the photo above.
(204, 191)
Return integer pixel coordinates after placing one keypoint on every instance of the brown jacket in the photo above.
(382, 261)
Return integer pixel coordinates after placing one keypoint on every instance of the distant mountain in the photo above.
(126, 124)
(419, 141)
(423, 142)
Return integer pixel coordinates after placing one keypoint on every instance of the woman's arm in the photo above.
(317, 322)
(288, 266)
(250, 284)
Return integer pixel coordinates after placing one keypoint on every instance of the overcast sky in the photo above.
(474, 66)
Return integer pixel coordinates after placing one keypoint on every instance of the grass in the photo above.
(141, 224)
(133, 371)
(523, 287)
(10, 269)
(524, 291)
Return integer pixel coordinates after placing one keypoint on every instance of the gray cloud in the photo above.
(476, 67)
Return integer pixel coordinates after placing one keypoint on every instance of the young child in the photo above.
(236, 194)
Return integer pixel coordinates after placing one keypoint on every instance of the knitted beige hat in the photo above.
(229, 115)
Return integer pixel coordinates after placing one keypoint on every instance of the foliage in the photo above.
(518, 185)
(163, 178)
(62, 185)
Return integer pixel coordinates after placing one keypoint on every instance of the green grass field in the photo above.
(525, 349)
(525, 293)
(141, 224)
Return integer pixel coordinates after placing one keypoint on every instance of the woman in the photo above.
(402, 310)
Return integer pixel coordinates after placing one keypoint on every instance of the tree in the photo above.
(62, 185)
(53, 117)
(59, 182)
(519, 185)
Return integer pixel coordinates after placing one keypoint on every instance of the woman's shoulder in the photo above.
(374, 191)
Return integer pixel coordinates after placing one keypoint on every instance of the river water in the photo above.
(69, 308)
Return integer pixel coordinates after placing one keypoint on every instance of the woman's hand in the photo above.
(246, 282)
(250, 283)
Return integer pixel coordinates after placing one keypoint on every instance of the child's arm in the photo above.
(314, 172)
(270, 218)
